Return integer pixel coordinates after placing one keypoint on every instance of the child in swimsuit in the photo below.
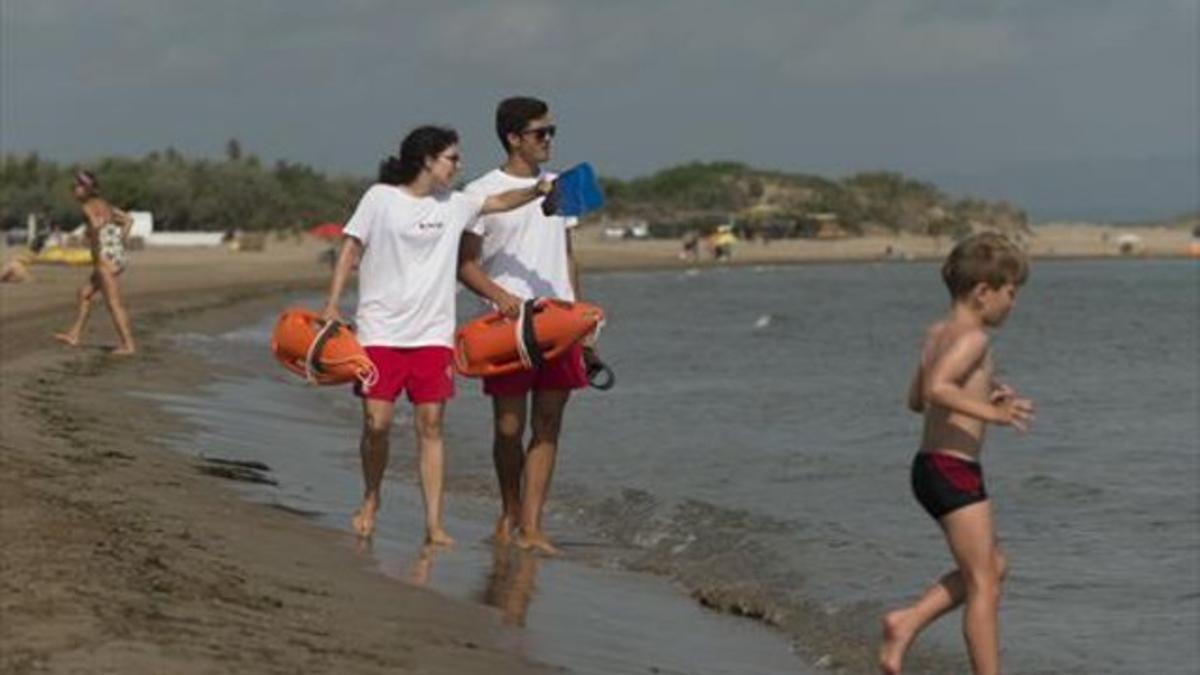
(953, 388)
(111, 245)
(107, 229)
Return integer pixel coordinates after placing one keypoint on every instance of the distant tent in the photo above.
(326, 231)
(1129, 244)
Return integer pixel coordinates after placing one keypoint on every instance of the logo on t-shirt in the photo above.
(437, 225)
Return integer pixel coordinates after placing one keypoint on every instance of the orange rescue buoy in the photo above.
(322, 352)
(494, 344)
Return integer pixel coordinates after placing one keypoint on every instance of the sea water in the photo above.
(754, 455)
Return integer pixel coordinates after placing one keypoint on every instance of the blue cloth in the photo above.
(577, 191)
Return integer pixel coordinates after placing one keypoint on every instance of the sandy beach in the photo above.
(120, 556)
(1052, 240)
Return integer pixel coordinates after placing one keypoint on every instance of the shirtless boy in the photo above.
(954, 389)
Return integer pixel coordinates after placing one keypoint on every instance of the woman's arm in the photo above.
(507, 201)
(348, 256)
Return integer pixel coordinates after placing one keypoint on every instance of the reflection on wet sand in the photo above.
(364, 545)
(423, 564)
(509, 584)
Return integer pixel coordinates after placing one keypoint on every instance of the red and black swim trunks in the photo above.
(943, 483)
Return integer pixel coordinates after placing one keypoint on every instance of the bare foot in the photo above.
(67, 339)
(502, 535)
(123, 351)
(536, 542)
(897, 635)
(438, 537)
(363, 521)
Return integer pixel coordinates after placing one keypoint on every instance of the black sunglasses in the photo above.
(542, 133)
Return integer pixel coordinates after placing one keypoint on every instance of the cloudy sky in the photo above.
(928, 86)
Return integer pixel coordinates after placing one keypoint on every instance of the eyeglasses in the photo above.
(542, 133)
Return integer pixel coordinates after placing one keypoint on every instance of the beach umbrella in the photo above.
(326, 231)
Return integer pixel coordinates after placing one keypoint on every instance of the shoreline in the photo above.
(123, 557)
(288, 261)
(209, 582)
(1059, 242)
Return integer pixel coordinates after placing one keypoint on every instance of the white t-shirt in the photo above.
(407, 276)
(524, 251)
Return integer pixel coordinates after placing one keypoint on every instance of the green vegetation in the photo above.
(788, 204)
(238, 191)
(183, 194)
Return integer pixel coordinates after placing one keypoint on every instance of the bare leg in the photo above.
(508, 454)
(83, 298)
(112, 298)
(429, 439)
(373, 449)
(973, 543)
(901, 626)
(546, 421)
(15, 272)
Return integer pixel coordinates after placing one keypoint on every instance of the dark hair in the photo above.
(87, 179)
(513, 116)
(989, 258)
(420, 144)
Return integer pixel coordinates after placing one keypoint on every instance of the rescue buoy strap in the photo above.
(531, 353)
(312, 364)
(599, 375)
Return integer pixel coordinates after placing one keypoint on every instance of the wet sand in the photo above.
(119, 556)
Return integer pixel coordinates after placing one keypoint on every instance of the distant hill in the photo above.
(1104, 190)
(239, 191)
(700, 195)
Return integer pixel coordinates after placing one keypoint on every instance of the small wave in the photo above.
(241, 335)
(258, 335)
(295, 510)
(237, 470)
(1058, 488)
(739, 563)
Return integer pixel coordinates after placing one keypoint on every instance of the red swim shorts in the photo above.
(426, 373)
(943, 483)
(565, 372)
